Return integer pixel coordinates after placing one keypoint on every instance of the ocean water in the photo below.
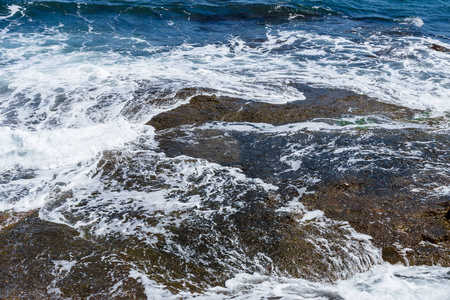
(79, 79)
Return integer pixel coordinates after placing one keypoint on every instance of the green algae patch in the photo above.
(362, 121)
(344, 123)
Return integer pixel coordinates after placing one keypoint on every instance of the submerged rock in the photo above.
(195, 225)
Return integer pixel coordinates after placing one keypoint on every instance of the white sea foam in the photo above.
(13, 9)
(416, 21)
(309, 126)
(40, 73)
(51, 149)
(383, 282)
(37, 160)
(310, 215)
(398, 282)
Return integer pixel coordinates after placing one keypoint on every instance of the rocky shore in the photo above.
(390, 192)
(245, 183)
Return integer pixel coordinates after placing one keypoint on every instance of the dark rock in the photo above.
(30, 253)
(391, 255)
(222, 148)
(439, 48)
(370, 186)
(202, 109)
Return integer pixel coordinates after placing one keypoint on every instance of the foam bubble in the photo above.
(51, 149)
(415, 21)
(382, 282)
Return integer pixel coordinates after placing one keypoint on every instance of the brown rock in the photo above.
(374, 196)
(391, 255)
(29, 254)
(439, 48)
(319, 104)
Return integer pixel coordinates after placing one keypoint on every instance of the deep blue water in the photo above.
(98, 24)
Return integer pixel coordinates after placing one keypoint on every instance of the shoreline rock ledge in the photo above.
(372, 168)
(382, 181)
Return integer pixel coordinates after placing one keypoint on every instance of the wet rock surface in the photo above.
(235, 186)
(319, 103)
(45, 260)
(199, 224)
(386, 182)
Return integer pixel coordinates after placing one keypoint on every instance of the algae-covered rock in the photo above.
(44, 260)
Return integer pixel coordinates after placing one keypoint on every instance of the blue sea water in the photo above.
(70, 72)
(108, 25)
(386, 40)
